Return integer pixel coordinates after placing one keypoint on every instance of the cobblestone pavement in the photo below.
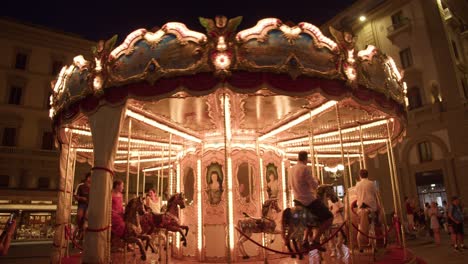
(423, 247)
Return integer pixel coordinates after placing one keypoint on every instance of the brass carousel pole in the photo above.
(312, 153)
(171, 175)
(319, 175)
(227, 149)
(346, 183)
(349, 171)
(127, 178)
(160, 177)
(364, 164)
(397, 188)
(138, 176)
(144, 182)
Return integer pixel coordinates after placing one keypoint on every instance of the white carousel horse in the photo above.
(263, 224)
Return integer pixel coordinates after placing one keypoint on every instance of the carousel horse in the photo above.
(264, 224)
(168, 220)
(133, 231)
(298, 219)
(369, 222)
(7, 234)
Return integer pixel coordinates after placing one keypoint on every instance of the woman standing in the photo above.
(434, 218)
(118, 223)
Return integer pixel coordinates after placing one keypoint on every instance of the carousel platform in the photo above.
(391, 254)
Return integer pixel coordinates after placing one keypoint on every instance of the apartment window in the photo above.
(15, 94)
(414, 98)
(398, 19)
(47, 140)
(425, 151)
(21, 61)
(406, 58)
(9, 137)
(43, 183)
(56, 66)
(4, 181)
(455, 50)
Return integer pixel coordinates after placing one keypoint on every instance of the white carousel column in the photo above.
(228, 170)
(63, 199)
(73, 162)
(105, 127)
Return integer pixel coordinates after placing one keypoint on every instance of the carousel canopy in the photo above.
(287, 86)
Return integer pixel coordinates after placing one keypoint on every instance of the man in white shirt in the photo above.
(304, 187)
(367, 203)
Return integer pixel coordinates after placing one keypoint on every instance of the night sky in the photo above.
(100, 20)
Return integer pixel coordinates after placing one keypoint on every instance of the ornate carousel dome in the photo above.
(283, 83)
(220, 115)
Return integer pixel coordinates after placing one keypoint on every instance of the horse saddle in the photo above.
(300, 212)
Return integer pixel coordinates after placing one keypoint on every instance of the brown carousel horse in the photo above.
(264, 224)
(298, 219)
(169, 220)
(133, 230)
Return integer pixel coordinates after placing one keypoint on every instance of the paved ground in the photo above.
(39, 252)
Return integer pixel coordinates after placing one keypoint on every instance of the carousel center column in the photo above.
(105, 128)
(67, 155)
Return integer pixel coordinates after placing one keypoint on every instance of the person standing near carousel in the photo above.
(367, 202)
(304, 187)
(82, 197)
(117, 217)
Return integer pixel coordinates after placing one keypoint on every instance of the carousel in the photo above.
(220, 117)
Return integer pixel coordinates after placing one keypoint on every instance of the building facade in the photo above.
(30, 58)
(429, 41)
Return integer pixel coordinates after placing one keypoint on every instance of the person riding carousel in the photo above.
(304, 187)
(152, 201)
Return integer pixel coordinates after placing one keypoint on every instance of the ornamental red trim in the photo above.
(96, 230)
(104, 169)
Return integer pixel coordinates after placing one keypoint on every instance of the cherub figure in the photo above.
(221, 30)
(99, 73)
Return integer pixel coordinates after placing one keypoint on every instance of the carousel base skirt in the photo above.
(391, 254)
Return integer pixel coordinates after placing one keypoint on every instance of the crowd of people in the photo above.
(433, 218)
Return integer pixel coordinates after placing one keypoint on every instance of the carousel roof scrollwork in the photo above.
(277, 76)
